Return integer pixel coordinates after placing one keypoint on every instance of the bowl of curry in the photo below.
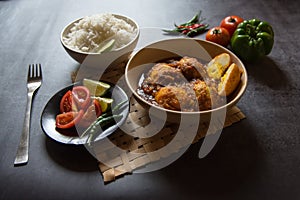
(186, 77)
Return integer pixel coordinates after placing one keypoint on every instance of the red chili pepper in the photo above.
(185, 31)
(194, 26)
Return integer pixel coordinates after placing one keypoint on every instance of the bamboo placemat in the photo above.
(134, 151)
(137, 155)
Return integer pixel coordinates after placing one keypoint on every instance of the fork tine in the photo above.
(40, 71)
(29, 71)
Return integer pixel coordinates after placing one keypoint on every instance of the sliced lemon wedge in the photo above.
(97, 88)
(105, 103)
(105, 46)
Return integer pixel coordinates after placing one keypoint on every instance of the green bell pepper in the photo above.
(252, 40)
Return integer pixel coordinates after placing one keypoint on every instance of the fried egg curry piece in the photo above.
(179, 85)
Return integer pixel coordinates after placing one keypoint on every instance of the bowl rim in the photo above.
(227, 105)
(70, 24)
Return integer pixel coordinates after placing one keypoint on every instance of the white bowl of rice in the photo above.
(99, 37)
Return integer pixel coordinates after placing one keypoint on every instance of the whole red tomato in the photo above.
(218, 35)
(231, 22)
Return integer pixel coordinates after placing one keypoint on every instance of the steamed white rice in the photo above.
(90, 31)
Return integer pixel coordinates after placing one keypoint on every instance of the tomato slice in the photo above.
(66, 103)
(97, 107)
(91, 114)
(81, 96)
(68, 119)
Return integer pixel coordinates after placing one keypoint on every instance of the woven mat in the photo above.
(125, 153)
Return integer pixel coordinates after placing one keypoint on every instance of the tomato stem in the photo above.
(216, 31)
(232, 20)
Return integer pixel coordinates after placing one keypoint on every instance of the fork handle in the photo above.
(22, 152)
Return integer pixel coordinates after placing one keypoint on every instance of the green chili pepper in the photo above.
(252, 40)
(97, 128)
(103, 118)
(194, 20)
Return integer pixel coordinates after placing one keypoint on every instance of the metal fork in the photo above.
(34, 81)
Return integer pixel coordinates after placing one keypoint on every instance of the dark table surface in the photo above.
(257, 158)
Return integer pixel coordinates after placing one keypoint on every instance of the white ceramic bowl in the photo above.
(120, 54)
(204, 50)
